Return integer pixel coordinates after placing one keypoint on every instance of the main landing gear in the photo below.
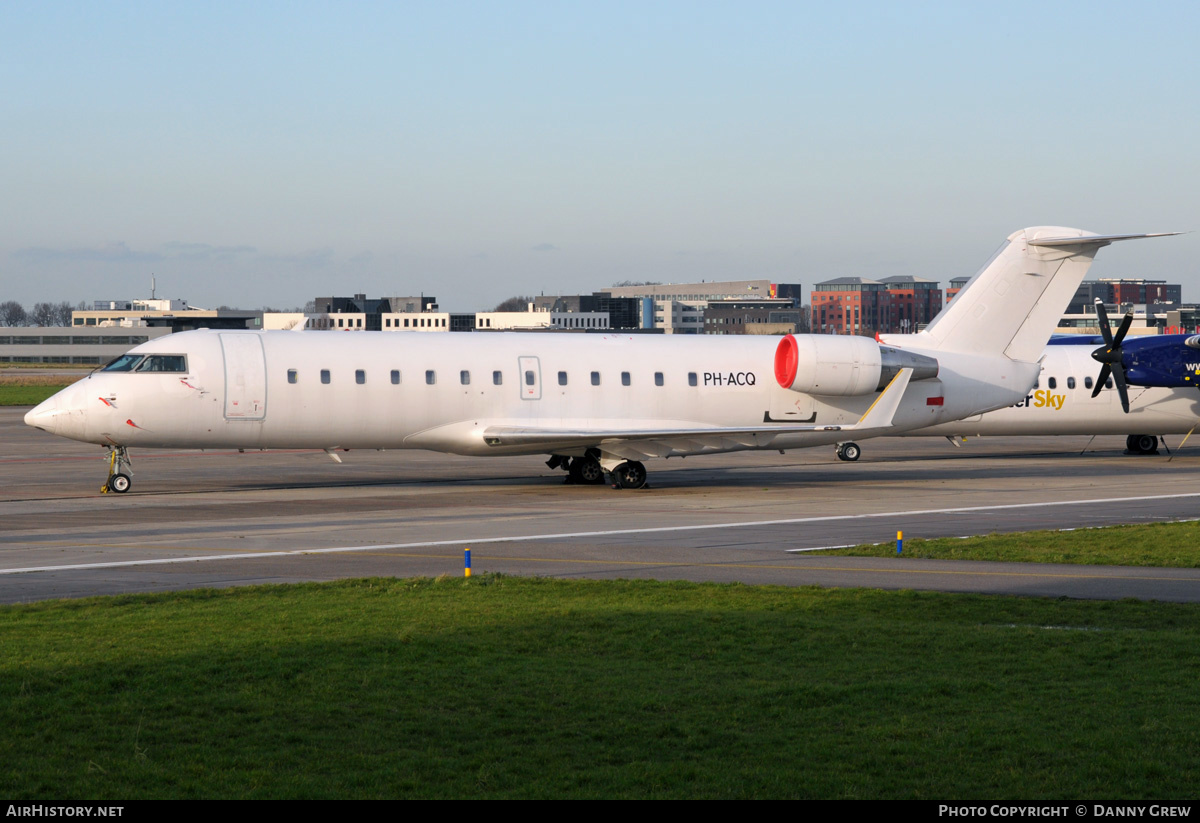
(588, 470)
(585, 471)
(629, 475)
(120, 468)
(848, 451)
(1141, 444)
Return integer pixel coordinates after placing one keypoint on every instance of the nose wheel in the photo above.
(120, 469)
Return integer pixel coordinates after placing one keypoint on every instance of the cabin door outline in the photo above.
(245, 377)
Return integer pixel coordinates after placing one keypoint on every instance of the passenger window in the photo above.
(595, 378)
(1070, 382)
(292, 376)
(624, 378)
(324, 375)
(530, 378)
(692, 381)
(464, 377)
(1052, 383)
(430, 377)
(658, 378)
(497, 378)
(562, 378)
(395, 377)
(1087, 382)
(360, 376)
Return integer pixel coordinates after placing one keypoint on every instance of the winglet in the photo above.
(881, 412)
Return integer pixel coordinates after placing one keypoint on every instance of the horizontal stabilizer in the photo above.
(1097, 240)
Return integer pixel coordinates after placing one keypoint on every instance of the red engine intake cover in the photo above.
(787, 360)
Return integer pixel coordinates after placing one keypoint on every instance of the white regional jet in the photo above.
(595, 403)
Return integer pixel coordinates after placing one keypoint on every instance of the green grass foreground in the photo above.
(31, 389)
(508, 687)
(1151, 544)
(26, 395)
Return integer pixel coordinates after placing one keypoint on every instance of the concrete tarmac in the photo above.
(223, 518)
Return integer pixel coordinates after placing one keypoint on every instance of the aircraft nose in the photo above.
(44, 415)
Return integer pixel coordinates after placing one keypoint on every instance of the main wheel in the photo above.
(1145, 443)
(587, 470)
(119, 483)
(850, 452)
(630, 475)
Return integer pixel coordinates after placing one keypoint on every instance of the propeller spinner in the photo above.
(1109, 355)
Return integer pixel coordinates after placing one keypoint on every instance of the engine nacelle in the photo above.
(843, 365)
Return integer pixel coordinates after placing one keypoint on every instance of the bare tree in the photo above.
(42, 314)
(12, 313)
(515, 304)
(62, 314)
(805, 324)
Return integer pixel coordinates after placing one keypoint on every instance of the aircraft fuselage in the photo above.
(443, 391)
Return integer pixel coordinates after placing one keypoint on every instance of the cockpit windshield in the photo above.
(176, 363)
(125, 362)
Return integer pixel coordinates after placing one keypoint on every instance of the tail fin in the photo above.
(1013, 304)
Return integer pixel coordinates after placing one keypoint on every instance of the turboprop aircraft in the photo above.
(597, 404)
(1155, 381)
(1162, 396)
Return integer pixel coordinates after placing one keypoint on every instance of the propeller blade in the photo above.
(1109, 356)
(1105, 370)
(1119, 376)
(1125, 324)
(1105, 329)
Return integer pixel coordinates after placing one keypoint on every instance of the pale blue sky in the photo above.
(251, 153)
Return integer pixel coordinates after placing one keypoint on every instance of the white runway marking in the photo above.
(477, 541)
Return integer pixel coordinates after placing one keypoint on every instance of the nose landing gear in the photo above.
(120, 468)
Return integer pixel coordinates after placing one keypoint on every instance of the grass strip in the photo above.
(508, 687)
(30, 389)
(26, 395)
(1150, 544)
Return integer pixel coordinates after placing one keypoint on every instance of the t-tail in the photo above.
(1013, 304)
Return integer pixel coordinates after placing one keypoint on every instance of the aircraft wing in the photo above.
(637, 443)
